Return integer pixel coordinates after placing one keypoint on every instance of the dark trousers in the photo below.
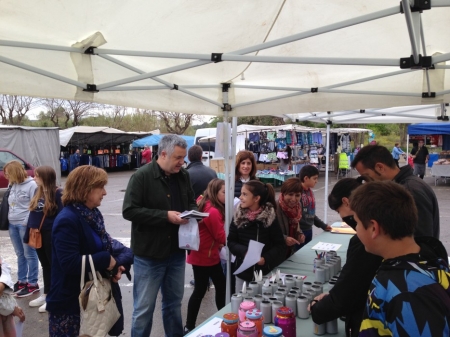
(396, 163)
(45, 258)
(201, 277)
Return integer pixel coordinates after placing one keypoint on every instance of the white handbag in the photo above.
(98, 309)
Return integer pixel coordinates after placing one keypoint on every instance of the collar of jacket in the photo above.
(194, 163)
(157, 172)
(266, 217)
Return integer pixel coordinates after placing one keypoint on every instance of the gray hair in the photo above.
(168, 143)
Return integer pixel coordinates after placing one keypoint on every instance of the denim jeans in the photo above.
(149, 276)
(27, 260)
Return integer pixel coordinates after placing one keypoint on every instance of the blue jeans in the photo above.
(27, 260)
(149, 276)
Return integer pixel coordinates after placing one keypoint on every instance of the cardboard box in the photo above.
(217, 165)
(260, 166)
(214, 164)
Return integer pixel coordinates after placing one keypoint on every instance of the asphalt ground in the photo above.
(36, 324)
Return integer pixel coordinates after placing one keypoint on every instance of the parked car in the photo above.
(5, 157)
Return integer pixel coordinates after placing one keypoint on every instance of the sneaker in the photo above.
(38, 301)
(18, 286)
(43, 308)
(28, 290)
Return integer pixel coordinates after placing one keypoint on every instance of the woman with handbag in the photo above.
(78, 230)
(44, 207)
(20, 195)
(206, 261)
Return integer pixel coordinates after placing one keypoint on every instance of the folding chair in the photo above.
(344, 166)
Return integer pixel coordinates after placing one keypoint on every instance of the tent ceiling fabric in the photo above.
(186, 32)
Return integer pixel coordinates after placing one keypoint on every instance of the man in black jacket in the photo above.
(376, 162)
(199, 174)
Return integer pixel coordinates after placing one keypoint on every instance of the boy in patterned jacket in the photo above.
(409, 295)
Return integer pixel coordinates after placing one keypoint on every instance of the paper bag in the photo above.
(188, 236)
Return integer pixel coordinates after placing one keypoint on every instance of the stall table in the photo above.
(440, 172)
(301, 263)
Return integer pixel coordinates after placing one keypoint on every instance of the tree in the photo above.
(175, 122)
(55, 109)
(14, 108)
(76, 110)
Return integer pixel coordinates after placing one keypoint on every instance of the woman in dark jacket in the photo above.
(349, 295)
(44, 207)
(255, 219)
(79, 230)
(245, 170)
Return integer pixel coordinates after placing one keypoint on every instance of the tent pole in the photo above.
(367, 92)
(440, 58)
(167, 84)
(327, 162)
(440, 3)
(410, 22)
(137, 87)
(19, 44)
(42, 72)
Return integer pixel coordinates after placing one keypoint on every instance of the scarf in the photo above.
(294, 215)
(95, 220)
(251, 215)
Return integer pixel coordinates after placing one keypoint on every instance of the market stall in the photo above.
(103, 147)
(440, 137)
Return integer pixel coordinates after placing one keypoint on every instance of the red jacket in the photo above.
(212, 235)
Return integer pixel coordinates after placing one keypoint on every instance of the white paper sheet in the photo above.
(210, 328)
(19, 328)
(223, 253)
(253, 256)
(326, 246)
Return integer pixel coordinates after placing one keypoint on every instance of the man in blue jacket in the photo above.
(156, 195)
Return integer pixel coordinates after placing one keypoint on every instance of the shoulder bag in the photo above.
(98, 309)
(35, 237)
(4, 210)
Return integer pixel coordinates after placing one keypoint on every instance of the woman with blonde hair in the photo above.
(44, 207)
(79, 229)
(20, 195)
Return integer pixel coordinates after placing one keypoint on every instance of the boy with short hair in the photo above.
(308, 176)
(410, 294)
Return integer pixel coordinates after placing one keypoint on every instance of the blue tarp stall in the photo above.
(153, 140)
(432, 129)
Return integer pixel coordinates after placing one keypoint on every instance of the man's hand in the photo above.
(174, 217)
(328, 228)
(290, 241)
(261, 262)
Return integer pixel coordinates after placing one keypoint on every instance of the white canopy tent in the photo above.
(277, 56)
(229, 58)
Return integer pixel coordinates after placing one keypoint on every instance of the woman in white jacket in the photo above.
(8, 305)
